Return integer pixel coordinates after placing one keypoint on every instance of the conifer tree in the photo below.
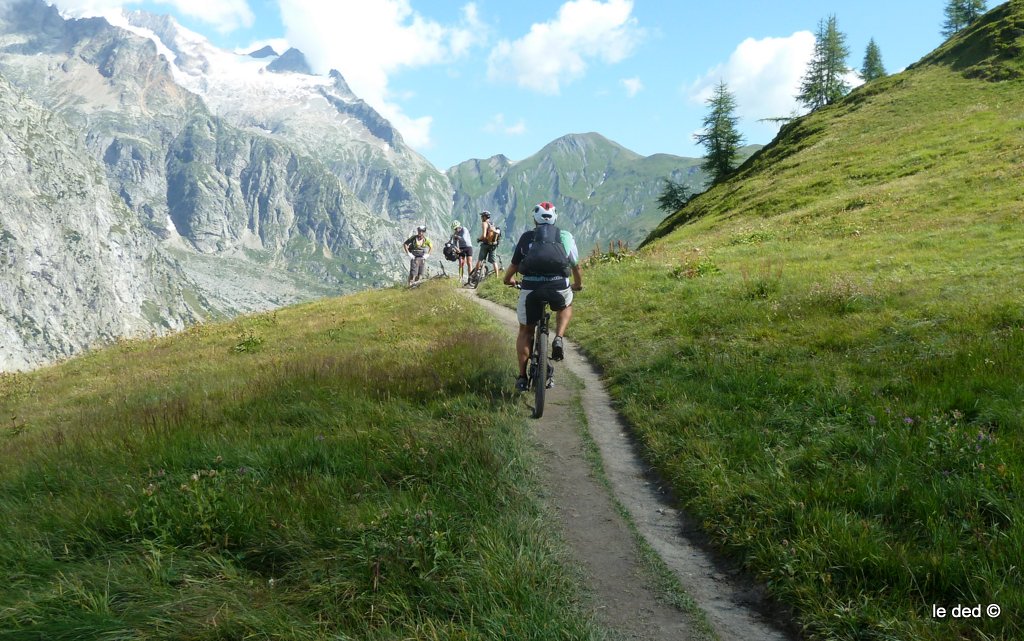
(872, 69)
(720, 138)
(960, 14)
(824, 83)
(673, 196)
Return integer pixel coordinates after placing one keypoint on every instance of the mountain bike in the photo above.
(480, 273)
(540, 373)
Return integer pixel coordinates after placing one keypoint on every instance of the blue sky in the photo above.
(467, 80)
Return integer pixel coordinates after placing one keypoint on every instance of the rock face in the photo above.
(77, 268)
(252, 186)
(317, 116)
(603, 191)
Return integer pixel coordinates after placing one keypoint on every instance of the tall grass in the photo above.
(345, 469)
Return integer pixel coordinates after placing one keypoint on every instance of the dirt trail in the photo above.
(602, 542)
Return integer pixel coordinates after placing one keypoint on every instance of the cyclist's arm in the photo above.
(577, 278)
(510, 273)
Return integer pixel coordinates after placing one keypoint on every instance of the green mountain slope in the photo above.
(932, 142)
(604, 192)
(824, 355)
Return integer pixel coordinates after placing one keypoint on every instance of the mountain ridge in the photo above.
(605, 191)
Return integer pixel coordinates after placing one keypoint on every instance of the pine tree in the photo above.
(673, 196)
(872, 69)
(824, 83)
(960, 14)
(720, 138)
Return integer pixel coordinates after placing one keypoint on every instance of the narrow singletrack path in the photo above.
(601, 541)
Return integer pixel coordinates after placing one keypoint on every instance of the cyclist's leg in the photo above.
(561, 303)
(528, 313)
(562, 319)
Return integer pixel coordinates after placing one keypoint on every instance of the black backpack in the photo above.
(546, 256)
(451, 251)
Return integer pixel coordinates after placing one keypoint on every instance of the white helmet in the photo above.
(544, 214)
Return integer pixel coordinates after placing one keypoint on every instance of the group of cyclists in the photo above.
(546, 257)
(418, 248)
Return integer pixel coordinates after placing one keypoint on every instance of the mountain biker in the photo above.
(488, 242)
(418, 249)
(460, 235)
(545, 256)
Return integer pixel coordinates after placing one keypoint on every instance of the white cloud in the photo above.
(633, 86)
(224, 15)
(558, 51)
(763, 75)
(369, 41)
(497, 124)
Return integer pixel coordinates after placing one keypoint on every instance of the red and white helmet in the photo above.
(544, 214)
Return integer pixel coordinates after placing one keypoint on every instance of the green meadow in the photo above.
(352, 468)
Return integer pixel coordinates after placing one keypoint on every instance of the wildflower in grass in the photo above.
(320, 437)
(195, 477)
(150, 490)
(872, 420)
(908, 421)
(242, 471)
(218, 460)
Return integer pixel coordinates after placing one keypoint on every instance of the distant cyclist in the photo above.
(545, 256)
(418, 249)
(460, 236)
(488, 242)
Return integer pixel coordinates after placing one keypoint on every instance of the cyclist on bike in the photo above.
(488, 242)
(545, 256)
(417, 248)
(460, 237)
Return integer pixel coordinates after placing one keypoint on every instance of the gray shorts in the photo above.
(487, 253)
(416, 266)
(531, 303)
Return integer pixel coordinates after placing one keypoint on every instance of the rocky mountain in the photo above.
(319, 116)
(263, 184)
(77, 268)
(604, 192)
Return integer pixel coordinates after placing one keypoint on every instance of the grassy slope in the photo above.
(828, 364)
(350, 468)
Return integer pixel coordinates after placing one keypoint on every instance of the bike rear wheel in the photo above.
(540, 378)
